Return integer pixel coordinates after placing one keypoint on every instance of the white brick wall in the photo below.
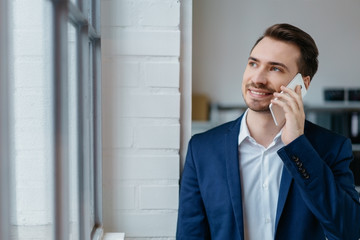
(141, 116)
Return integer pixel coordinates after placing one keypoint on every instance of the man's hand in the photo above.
(292, 104)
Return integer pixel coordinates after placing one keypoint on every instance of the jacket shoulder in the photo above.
(315, 131)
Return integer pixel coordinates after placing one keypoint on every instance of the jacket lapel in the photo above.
(233, 173)
(286, 180)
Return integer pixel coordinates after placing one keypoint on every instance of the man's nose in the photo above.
(260, 77)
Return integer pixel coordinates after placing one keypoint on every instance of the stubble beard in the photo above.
(256, 105)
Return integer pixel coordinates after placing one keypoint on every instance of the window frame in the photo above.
(88, 50)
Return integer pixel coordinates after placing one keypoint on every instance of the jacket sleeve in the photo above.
(192, 221)
(326, 184)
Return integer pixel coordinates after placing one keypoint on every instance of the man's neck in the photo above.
(262, 127)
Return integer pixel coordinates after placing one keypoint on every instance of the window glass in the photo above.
(33, 176)
(73, 133)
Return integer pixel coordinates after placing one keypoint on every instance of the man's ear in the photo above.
(307, 82)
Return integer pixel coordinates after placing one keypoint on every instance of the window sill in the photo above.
(114, 236)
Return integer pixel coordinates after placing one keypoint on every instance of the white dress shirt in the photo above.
(260, 173)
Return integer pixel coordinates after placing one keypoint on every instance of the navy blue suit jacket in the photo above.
(317, 197)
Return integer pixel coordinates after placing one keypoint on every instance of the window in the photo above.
(50, 121)
(76, 35)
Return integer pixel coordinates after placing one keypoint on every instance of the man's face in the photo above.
(272, 63)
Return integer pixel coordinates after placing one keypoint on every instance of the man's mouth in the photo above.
(260, 93)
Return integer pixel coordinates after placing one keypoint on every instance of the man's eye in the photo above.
(276, 69)
(253, 64)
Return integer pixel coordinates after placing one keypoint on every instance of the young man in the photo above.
(250, 179)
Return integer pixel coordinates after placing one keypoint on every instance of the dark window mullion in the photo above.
(84, 134)
(5, 147)
(60, 120)
(97, 111)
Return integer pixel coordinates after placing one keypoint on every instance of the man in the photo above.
(250, 179)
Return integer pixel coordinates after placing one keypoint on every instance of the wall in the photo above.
(32, 195)
(225, 31)
(141, 114)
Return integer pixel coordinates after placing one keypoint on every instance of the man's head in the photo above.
(308, 62)
(277, 56)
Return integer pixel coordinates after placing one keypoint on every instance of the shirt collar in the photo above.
(244, 131)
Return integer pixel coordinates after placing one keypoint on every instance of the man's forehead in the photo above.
(275, 51)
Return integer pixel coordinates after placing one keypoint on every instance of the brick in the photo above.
(147, 13)
(117, 13)
(117, 73)
(141, 167)
(117, 41)
(162, 74)
(159, 197)
(119, 134)
(161, 13)
(117, 196)
(158, 137)
(120, 104)
(159, 224)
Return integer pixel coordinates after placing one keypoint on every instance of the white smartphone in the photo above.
(276, 111)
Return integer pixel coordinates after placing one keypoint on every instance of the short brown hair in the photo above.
(308, 62)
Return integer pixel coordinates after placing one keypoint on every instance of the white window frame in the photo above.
(85, 16)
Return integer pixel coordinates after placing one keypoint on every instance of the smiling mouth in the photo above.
(260, 93)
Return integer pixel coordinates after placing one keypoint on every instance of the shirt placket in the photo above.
(265, 191)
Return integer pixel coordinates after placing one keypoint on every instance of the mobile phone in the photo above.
(276, 111)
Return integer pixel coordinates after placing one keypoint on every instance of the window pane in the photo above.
(73, 134)
(91, 142)
(33, 175)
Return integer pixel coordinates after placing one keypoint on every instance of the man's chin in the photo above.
(258, 106)
(260, 109)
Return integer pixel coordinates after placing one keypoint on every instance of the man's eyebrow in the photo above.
(270, 63)
(254, 59)
(279, 64)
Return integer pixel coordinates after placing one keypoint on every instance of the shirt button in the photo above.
(265, 186)
(267, 220)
